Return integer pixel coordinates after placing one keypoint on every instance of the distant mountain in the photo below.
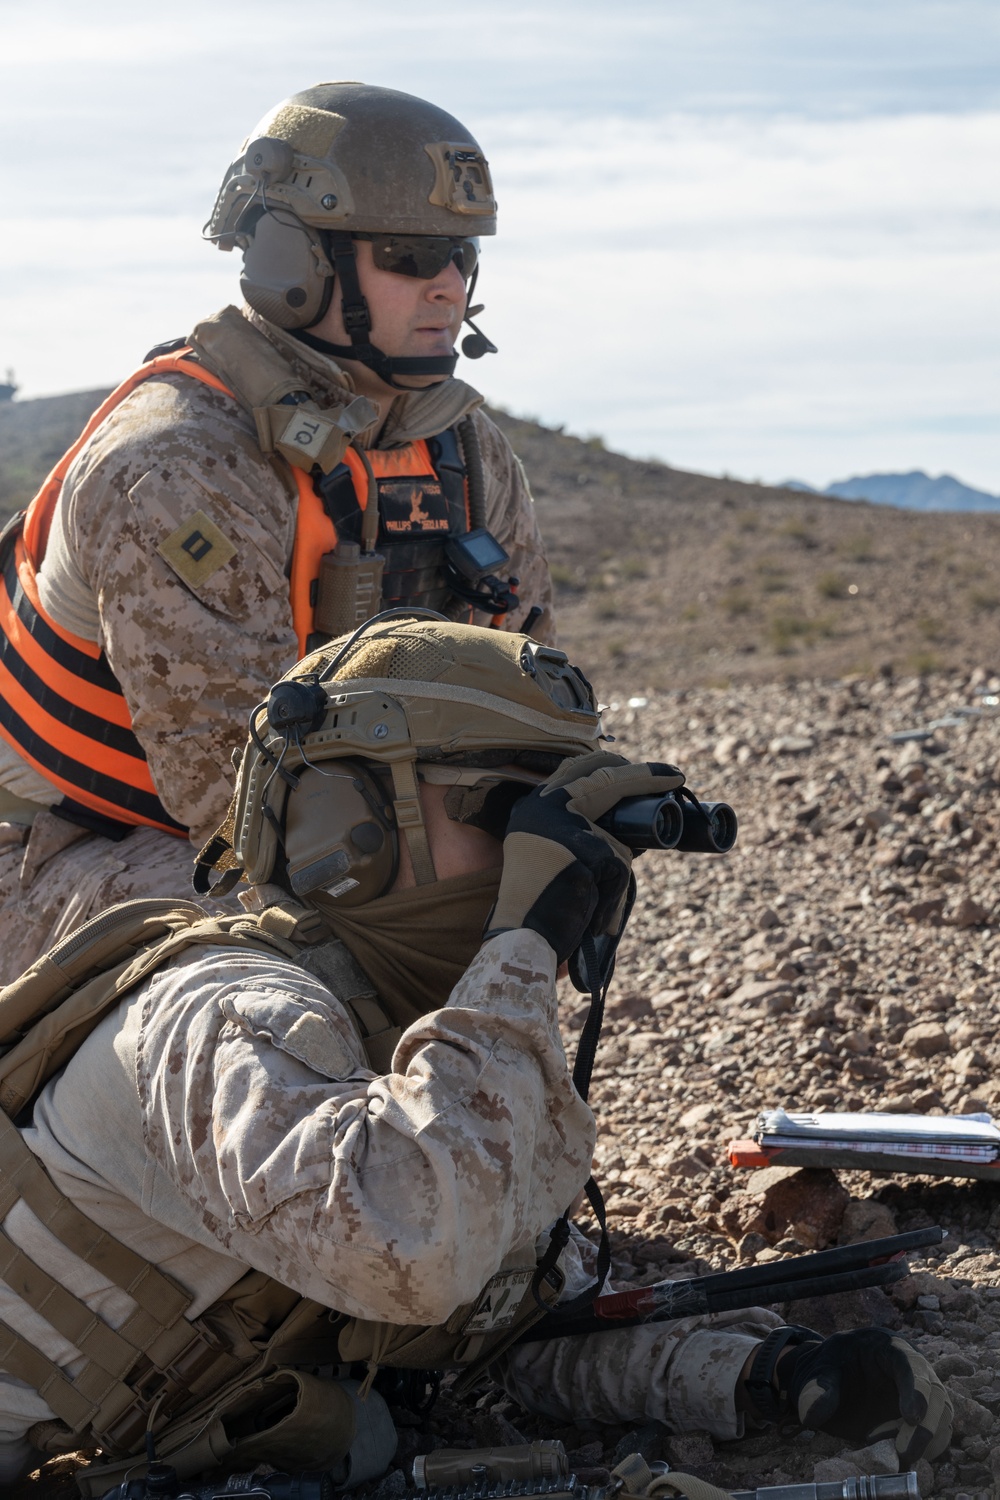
(913, 491)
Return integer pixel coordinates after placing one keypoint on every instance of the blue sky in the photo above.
(750, 236)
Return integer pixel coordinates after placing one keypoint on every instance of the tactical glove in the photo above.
(868, 1385)
(562, 876)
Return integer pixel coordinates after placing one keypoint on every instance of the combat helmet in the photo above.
(329, 777)
(341, 161)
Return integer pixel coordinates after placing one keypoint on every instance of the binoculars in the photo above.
(672, 821)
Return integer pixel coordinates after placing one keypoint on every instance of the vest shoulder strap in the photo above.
(289, 421)
(44, 1018)
(48, 1012)
(334, 964)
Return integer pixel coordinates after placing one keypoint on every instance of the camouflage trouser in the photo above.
(54, 875)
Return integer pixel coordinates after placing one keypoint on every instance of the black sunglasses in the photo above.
(422, 255)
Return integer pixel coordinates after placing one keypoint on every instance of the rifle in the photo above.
(865, 1487)
(845, 1269)
(539, 1470)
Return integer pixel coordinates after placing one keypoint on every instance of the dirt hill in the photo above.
(675, 579)
(33, 435)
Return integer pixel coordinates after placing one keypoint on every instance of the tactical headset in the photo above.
(330, 776)
(289, 270)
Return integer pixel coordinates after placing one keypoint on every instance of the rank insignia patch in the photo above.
(197, 549)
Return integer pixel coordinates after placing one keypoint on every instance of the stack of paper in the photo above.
(969, 1138)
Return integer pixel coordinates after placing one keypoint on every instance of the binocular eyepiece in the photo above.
(672, 822)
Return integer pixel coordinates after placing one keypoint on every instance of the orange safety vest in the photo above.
(61, 707)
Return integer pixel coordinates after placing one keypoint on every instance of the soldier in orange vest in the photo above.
(273, 479)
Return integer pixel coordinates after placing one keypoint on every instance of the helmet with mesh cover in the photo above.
(356, 156)
(400, 701)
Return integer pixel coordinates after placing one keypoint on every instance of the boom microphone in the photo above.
(475, 345)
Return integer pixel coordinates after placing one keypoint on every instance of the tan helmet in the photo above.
(338, 160)
(330, 773)
(354, 156)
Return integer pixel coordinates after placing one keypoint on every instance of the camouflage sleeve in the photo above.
(510, 516)
(184, 530)
(682, 1373)
(393, 1197)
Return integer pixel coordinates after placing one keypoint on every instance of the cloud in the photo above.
(730, 235)
(756, 295)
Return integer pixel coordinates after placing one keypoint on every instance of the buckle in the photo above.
(357, 318)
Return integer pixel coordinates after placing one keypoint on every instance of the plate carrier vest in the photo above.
(193, 1383)
(61, 707)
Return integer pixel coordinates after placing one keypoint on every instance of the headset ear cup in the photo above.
(340, 839)
(283, 271)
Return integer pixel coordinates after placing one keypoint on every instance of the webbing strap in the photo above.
(23, 1174)
(377, 1034)
(369, 514)
(410, 820)
(181, 1368)
(163, 1355)
(154, 1340)
(65, 1397)
(73, 1318)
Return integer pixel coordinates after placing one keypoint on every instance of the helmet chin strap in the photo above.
(358, 322)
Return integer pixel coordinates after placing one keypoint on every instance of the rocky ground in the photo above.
(844, 955)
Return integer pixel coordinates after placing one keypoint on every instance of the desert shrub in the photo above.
(571, 579)
(923, 661)
(798, 529)
(858, 547)
(773, 580)
(786, 631)
(736, 602)
(831, 585)
(984, 601)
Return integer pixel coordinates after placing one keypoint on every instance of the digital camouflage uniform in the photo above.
(193, 659)
(231, 1122)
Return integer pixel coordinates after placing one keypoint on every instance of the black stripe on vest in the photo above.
(84, 778)
(57, 762)
(73, 715)
(94, 670)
